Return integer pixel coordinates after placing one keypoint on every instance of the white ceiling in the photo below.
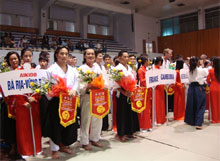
(154, 8)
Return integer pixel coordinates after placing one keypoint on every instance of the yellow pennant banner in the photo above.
(67, 109)
(99, 103)
(139, 99)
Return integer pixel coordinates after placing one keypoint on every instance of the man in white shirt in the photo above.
(168, 53)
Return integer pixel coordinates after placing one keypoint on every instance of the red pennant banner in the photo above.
(67, 109)
(99, 103)
(170, 89)
(139, 99)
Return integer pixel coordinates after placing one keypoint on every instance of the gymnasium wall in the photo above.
(192, 43)
(146, 28)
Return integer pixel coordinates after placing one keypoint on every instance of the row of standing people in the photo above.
(126, 120)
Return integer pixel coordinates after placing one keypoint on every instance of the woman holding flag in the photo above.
(25, 142)
(91, 126)
(145, 117)
(160, 98)
(61, 124)
(126, 119)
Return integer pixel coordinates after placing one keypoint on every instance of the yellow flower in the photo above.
(139, 60)
(32, 84)
(3, 64)
(87, 72)
(79, 69)
(108, 65)
(113, 69)
(150, 62)
(37, 90)
(121, 73)
(46, 86)
(129, 63)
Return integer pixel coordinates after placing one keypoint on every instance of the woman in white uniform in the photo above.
(90, 129)
(61, 137)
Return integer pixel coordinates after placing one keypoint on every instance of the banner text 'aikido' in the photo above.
(17, 82)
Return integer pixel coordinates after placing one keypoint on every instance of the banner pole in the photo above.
(32, 130)
(153, 107)
(167, 102)
(210, 111)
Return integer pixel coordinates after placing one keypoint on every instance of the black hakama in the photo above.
(126, 119)
(58, 133)
(196, 104)
(8, 125)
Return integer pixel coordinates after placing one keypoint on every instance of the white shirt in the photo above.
(165, 64)
(72, 81)
(126, 71)
(96, 69)
(198, 75)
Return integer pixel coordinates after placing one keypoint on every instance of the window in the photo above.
(52, 25)
(104, 30)
(5, 19)
(188, 22)
(212, 16)
(70, 27)
(25, 21)
(170, 26)
(91, 29)
(180, 24)
(149, 48)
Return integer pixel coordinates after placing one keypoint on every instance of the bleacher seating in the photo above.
(112, 46)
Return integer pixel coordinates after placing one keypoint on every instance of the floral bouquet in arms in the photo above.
(93, 79)
(128, 83)
(3, 66)
(43, 87)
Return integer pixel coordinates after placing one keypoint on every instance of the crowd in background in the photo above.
(49, 42)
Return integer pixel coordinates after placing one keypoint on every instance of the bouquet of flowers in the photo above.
(3, 66)
(126, 82)
(95, 80)
(133, 66)
(41, 88)
(58, 86)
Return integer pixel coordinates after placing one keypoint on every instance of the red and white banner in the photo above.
(139, 99)
(99, 103)
(67, 109)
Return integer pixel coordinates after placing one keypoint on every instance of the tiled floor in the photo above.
(175, 142)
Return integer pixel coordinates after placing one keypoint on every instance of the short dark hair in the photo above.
(158, 59)
(58, 50)
(132, 55)
(43, 53)
(97, 52)
(106, 56)
(25, 50)
(8, 56)
(179, 64)
(43, 58)
(121, 52)
(84, 60)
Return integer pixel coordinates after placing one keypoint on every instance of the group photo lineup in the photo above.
(110, 80)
